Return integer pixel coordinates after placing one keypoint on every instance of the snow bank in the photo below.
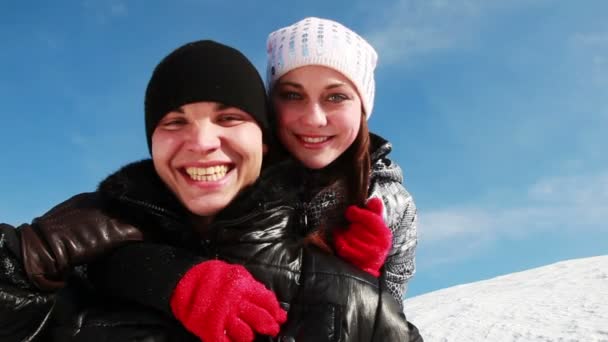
(565, 301)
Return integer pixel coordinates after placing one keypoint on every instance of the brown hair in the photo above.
(356, 158)
(353, 166)
(357, 182)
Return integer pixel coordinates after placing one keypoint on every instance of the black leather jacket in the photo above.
(304, 279)
(23, 309)
(327, 299)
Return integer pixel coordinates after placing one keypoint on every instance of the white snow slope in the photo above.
(565, 301)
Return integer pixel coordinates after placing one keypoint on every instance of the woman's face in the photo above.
(206, 153)
(318, 114)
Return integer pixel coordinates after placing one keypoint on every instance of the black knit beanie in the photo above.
(205, 71)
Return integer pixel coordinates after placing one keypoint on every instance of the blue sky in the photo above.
(498, 111)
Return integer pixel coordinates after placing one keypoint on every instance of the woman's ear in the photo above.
(264, 149)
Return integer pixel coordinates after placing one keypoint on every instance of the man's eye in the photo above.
(337, 98)
(231, 118)
(173, 123)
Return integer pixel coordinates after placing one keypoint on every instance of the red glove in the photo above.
(221, 302)
(367, 240)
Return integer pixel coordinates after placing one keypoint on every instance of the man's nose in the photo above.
(204, 137)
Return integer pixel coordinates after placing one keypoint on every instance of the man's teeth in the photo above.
(314, 140)
(207, 174)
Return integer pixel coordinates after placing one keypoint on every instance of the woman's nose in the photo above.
(314, 116)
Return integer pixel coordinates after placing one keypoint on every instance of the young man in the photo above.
(198, 200)
(205, 123)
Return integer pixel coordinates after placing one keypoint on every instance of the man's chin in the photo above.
(207, 206)
(207, 211)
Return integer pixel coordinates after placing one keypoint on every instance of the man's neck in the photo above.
(201, 224)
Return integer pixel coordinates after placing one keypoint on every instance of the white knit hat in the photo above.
(315, 41)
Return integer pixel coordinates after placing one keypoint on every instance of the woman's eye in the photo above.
(290, 95)
(337, 98)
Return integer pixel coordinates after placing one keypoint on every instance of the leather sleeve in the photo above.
(24, 310)
(391, 324)
(84, 314)
(73, 233)
(143, 272)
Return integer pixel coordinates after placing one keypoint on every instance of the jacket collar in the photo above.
(137, 193)
(138, 183)
(379, 147)
(138, 196)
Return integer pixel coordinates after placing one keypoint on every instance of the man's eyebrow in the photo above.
(222, 106)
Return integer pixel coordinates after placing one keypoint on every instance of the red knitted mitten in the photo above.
(221, 302)
(367, 240)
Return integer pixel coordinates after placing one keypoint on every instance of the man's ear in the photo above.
(264, 149)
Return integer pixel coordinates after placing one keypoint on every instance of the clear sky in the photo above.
(498, 111)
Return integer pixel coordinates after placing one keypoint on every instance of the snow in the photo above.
(565, 301)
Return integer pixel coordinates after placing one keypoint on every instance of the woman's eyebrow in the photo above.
(335, 85)
(299, 86)
(289, 83)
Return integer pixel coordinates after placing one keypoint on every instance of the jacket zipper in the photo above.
(156, 208)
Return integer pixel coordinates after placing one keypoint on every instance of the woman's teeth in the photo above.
(207, 174)
(314, 140)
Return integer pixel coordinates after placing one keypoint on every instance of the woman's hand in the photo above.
(222, 302)
(367, 240)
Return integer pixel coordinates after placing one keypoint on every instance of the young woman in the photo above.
(320, 76)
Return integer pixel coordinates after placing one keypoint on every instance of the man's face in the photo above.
(207, 153)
